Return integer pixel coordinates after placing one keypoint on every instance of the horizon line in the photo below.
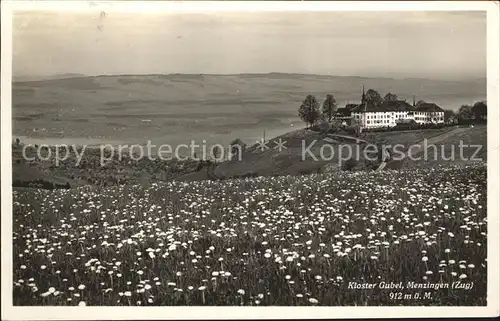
(76, 75)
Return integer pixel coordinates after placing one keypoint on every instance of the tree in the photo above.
(479, 110)
(329, 107)
(237, 146)
(390, 97)
(309, 110)
(420, 102)
(356, 126)
(448, 114)
(373, 97)
(217, 152)
(465, 113)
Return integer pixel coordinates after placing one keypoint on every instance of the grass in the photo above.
(257, 241)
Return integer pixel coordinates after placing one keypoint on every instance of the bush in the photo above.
(349, 164)
(322, 127)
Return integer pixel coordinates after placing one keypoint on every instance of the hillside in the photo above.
(294, 160)
(291, 161)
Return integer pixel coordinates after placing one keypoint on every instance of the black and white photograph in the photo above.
(156, 154)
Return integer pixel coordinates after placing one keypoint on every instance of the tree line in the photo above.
(476, 113)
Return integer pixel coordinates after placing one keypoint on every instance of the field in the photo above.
(288, 240)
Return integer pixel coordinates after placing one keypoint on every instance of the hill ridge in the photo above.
(26, 79)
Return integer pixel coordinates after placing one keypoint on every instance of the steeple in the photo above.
(363, 97)
(413, 100)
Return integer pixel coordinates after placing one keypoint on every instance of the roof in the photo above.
(343, 111)
(386, 106)
(237, 141)
(429, 107)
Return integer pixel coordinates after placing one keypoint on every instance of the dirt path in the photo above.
(418, 147)
(358, 140)
(436, 139)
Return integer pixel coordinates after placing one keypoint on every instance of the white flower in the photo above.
(313, 301)
(45, 294)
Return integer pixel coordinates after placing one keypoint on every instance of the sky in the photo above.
(437, 45)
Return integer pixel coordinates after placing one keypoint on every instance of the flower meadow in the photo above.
(288, 240)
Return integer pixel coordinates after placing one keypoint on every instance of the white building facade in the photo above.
(390, 113)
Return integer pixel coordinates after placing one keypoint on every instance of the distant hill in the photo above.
(177, 108)
(48, 77)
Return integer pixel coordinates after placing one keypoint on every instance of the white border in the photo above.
(155, 313)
